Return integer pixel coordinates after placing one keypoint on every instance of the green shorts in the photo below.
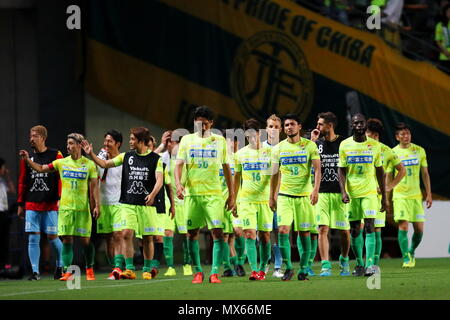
(166, 222)
(363, 208)
(142, 219)
(332, 212)
(74, 223)
(256, 216)
(380, 219)
(180, 217)
(227, 221)
(298, 210)
(409, 210)
(202, 210)
(110, 219)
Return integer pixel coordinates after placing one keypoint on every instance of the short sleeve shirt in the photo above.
(413, 158)
(295, 163)
(254, 166)
(360, 159)
(203, 158)
(75, 176)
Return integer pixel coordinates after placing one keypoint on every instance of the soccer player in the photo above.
(273, 129)
(359, 160)
(79, 184)
(229, 217)
(390, 159)
(203, 153)
(38, 196)
(110, 221)
(331, 211)
(293, 158)
(407, 196)
(140, 197)
(253, 172)
(179, 223)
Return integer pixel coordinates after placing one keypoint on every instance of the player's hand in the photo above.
(20, 212)
(315, 134)
(96, 213)
(273, 204)
(230, 204)
(87, 147)
(388, 208)
(166, 137)
(149, 200)
(314, 197)
(429, 201)
(234, 212)
(24, 154)
(345, 198)
(383, 204)
(180, 192)
(172, 212)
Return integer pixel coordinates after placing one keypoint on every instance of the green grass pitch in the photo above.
(430, 279)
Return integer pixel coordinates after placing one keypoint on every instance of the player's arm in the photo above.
(380, 177)
(164, 140)
(314, 197)
(274, 186)
(178, 175)
(87, 147)
(168, 187)
(427, 183)
(237, 182)
(342, 172)
(392, 183)
(36, 166)
(229, 180)
(95, 196)
(150, 199)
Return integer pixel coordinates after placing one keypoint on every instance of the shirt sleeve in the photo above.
(377, 161)
(55, 165)
(275, 156)
(182, 150)
(118, 161)
(225, 157)
(92, 170)
(159, 166)
(342, 156)
(314, 151)
(423, 158)
(394, 160)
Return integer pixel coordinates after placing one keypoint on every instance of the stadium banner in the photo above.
(252, 58)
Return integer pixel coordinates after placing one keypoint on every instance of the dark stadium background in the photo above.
(43, 70)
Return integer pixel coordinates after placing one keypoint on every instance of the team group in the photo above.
(242, 195)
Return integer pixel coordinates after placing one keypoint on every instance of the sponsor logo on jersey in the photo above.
(250, 166)
(74, 174)
(293, 160)
(39, 185)
(137, 188)
(410, 162)
(202, 153)
(359, 159)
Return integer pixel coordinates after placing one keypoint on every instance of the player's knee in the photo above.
(323, 230)
(354, 231)
(369, 225)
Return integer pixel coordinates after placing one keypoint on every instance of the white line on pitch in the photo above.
(63, 289)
